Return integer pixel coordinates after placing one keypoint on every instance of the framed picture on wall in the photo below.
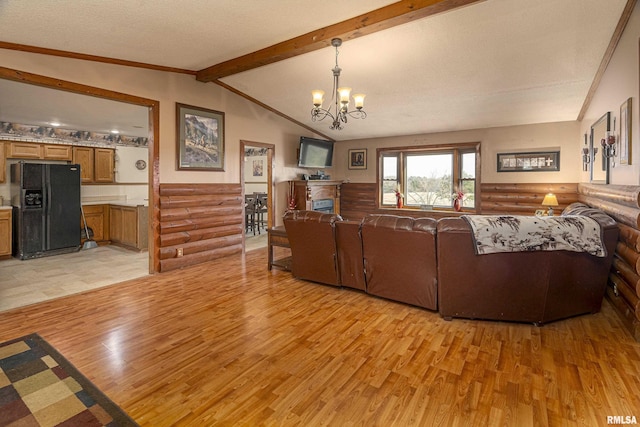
(625, 132)
(200, 138)
(257, 168)
(358, 158)
(540, 161)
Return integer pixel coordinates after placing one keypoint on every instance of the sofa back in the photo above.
(536, 287)
(311, 236)
(350, 259)
(400, 259)
(433, 264)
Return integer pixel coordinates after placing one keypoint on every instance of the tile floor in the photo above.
(35, 280)
(258, 241)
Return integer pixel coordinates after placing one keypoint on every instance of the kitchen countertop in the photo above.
(6, 208)
(133, 202)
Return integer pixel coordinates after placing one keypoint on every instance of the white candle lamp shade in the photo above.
(318, 97)
(344, 92)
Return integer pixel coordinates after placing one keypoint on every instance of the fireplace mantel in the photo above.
(312, 190)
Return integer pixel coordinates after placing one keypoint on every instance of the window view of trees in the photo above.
(429, 180)
(429, 177)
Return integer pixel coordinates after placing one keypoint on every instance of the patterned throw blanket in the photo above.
(502, 233)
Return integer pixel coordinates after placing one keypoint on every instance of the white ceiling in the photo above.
(36, 105)
(493, 63)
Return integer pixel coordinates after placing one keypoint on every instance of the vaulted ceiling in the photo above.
(425, 66)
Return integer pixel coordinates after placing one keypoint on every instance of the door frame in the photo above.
(271, 148)
(153, 144)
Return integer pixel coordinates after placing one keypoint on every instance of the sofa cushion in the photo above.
(311, 236)
(400, 259)
(350, 262)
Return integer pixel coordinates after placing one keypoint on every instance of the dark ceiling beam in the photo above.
(386, 17)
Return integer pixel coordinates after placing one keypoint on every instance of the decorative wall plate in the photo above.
(141, 164)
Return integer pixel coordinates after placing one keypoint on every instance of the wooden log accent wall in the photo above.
(204, 220)
(523, 199)
(622, 202)
(359, 199)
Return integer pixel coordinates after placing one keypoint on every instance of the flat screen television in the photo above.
(315, 153)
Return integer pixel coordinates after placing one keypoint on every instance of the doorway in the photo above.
(151, 107)
(256, 178)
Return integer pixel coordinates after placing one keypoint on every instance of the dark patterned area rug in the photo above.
(39, 387)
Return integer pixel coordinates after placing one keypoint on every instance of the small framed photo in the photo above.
(200, 138)
(257, 169)
(625, 132)
(541, 212)
(358, 158)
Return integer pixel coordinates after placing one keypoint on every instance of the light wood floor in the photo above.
(231, 343)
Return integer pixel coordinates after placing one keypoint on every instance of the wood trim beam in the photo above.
(273, 110)
(613, 44)
(377, 20)
(86, 57)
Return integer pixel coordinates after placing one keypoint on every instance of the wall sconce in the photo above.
(586, 157)
(609, 143)
(550, 200)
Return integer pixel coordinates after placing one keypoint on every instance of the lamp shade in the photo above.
(318, 96)
(550, 200)
(344, 92)
(359, 100)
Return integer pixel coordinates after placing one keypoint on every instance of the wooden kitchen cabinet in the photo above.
(5, 233)
(128, 226)
(32, 150)
(57, 152)
(84, 157)
(96, 164)
(97, 220)
(24, 150)
(104, 165)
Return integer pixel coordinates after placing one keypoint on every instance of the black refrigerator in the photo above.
(46, 209)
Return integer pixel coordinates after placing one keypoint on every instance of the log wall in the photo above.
(523, 199)
(358, 199)
(622, 202)
(205, 220)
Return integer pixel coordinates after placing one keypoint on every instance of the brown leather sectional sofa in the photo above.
(432, 264)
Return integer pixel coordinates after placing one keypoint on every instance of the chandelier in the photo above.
(340, 98)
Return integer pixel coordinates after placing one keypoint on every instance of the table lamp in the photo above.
(550, 200)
